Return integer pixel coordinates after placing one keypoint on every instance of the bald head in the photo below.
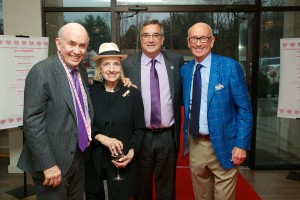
(203, 26)
(71, 27)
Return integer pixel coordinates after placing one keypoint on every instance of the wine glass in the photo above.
(116, 158)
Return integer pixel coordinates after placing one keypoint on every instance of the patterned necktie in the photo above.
(195, 110)
(155, 97)
(82, 132)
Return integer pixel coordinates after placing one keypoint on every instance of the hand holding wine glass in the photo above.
(125, 160)
(116, 157)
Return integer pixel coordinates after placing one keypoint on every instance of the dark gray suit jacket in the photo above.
(132, 69)
(49, 119)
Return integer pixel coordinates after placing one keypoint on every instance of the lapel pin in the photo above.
(126, 93)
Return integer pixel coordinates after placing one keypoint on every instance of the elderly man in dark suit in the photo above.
(57, 116)
(157, 74)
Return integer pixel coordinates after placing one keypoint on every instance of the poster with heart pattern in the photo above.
(289, 87)
(17, 56)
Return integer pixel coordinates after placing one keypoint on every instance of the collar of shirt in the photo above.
(146, 60)
(206, 62)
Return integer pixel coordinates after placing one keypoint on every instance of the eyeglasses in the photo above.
(202, 39)
(155, 36)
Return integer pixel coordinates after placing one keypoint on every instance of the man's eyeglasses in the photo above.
(202, 39)
(154, 36)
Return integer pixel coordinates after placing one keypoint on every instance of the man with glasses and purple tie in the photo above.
(217, 117)
(57, 118)
(157, 74)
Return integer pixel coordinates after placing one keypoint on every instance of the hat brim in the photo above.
(122, 56)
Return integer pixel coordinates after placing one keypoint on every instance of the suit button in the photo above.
(72, 152)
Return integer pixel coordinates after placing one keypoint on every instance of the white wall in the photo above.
(22, 17)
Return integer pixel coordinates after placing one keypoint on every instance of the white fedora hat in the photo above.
(109, 49)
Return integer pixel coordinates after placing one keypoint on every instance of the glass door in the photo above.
(230, 30)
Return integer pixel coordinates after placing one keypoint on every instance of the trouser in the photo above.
(71, 186)
(209, 179)
(158, 157)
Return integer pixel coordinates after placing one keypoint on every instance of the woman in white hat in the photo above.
(118, 126)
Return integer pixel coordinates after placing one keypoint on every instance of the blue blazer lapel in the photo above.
(63, 85)
(214, 77)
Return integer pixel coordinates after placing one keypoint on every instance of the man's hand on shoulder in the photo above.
(127, 82)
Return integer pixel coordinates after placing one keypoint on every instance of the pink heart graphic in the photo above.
(289, 111)
(281, 110)
(297, 112)
(16, 42)
(19, 119)
(1, 42)
(24, 43)
(31, 43)
(284, 44)
(8, 42)
(45, 43)
(2, 121)
(292, 44)
(11, 120)
(38, 43)
(298, 44)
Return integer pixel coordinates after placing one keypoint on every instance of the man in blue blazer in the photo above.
(51, 153)
(217, 133)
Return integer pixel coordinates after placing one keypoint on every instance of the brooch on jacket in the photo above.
(219, 87)
(126, 93)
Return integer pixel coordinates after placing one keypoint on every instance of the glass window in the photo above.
(184, 2)
(77, 3)
(277, 139)
(1, 19)
(280, 2)
(96, 24)
(229, 29)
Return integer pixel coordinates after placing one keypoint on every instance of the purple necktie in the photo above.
(195, 110)
(155, 97)
(82, 133)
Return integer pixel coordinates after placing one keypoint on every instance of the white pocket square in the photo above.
(219, 87)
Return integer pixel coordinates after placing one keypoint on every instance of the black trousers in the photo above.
(71, 186)
(157, 161)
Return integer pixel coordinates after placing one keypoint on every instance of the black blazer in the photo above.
(132, 69)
